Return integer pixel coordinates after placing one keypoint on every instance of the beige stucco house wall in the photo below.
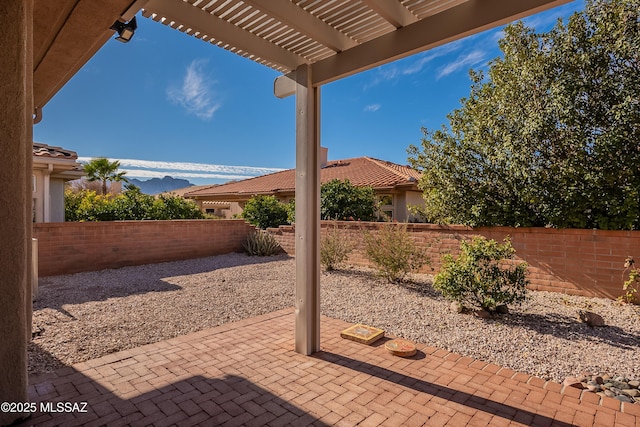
(52, 167)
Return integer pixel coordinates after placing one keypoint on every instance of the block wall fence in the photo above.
(572, 261)
(72, 247)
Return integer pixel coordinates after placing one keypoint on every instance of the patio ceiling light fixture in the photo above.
(125, 30)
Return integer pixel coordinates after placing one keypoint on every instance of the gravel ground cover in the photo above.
(87, 315)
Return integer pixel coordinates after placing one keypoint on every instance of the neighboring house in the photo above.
(52, 167)
(216, 208)
(396, 187)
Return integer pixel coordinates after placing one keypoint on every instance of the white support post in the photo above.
(307, 329)
(46, 196)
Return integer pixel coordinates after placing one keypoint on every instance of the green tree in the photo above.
(265, 212)
(341, 200)
(170, 206)
(550, 135)
(101, 169)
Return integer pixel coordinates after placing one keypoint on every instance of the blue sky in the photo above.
(169, 104)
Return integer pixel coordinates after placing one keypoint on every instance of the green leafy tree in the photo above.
(550, 136)
(341, 200)
(102, 170)
(265, 212)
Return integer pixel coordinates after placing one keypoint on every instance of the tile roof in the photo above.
(184, 190)
(44, 150)
(360, 171)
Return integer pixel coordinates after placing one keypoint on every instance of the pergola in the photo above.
(312, 42)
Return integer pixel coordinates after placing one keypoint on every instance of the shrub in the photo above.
(261, 243)
(341, 200)
(87, 205)
(265, 212)
(393, 252)
(482, 276)
(171, 206)
(334, 248)
(632, 285)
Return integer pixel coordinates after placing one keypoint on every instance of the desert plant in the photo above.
(334, 248)
(261, 243)
(632, 285)
(483, 277)
(393, 252)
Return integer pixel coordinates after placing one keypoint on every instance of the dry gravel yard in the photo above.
(87, 315)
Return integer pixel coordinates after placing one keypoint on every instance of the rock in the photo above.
(598, 379)
(620, 385)
(609, 393)
(606, 377)
(456, 307)
(634, 384)
(483, 314)
(572, 382)
(623, 398)
(590, 318)
(593, 386)
(631, 392)
(502, 309)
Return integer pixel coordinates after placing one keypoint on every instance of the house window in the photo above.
(385, 203)
(385, 200)
(386, 214)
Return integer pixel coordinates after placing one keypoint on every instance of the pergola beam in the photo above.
(305, 23)
(392, 12)
(458, 22)
(223, 31)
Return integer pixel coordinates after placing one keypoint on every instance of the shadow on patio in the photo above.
(246, 373)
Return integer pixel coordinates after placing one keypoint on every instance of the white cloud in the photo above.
(411, 65)
(195, 93)
(372, 108)
(463, 61)
(158, 169)
(140, 173)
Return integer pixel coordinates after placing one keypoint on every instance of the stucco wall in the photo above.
(56, 190)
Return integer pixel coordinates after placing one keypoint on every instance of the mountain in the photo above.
(156, 185)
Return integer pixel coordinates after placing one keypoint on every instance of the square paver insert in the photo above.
(362, 333)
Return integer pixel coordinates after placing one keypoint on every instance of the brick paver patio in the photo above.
(246, 373)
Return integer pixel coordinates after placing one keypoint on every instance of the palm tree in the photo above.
(101, 169)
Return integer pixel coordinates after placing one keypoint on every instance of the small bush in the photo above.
(481, 277)
(261, 243)
(334, 248)
(632, 285)
(265, 212)
(393, 252)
